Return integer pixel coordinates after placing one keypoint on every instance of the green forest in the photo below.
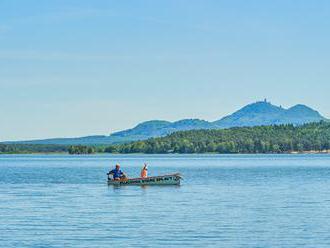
(81, 150)
(30, 148)
(262, 139)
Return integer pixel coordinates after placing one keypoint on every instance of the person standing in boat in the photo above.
(117, 173)
(144, 171)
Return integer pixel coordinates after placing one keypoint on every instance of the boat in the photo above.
(172, 179)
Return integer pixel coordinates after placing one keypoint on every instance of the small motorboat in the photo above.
(172, 179)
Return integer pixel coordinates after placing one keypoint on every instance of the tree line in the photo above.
(81, 150)
(261, 139)
(32, 148)
(37, 148)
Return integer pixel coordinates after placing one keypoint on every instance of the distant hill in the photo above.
(151, 129)
(300, 114)
(264, 113)
(312, 138)
(145, 130)
(256, 114)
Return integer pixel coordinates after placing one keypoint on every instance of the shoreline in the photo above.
(207, 153)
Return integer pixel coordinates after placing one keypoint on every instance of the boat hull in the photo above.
(173, 179)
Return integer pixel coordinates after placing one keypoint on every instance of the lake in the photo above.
(224, 201)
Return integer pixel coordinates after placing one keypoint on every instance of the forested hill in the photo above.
(262, 139)
(261, 113)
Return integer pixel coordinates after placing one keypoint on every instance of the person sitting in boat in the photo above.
(117, 173)
(144, 171)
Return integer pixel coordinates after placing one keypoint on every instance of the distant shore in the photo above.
(313, 138)
(311, 152)
(207, 153)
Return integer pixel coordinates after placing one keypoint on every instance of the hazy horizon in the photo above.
(77, 68)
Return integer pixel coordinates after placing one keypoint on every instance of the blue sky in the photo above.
(73, 68)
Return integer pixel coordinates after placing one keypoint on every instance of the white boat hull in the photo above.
(173, 179)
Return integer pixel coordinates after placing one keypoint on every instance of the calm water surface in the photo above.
(224, 201)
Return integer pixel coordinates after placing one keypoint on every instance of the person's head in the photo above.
(145, 166)
(117, 166)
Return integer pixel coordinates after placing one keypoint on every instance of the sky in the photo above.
(74, 68)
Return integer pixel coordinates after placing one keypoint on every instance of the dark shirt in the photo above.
(116, 173)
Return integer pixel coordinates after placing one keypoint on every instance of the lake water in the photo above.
(224, 201)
